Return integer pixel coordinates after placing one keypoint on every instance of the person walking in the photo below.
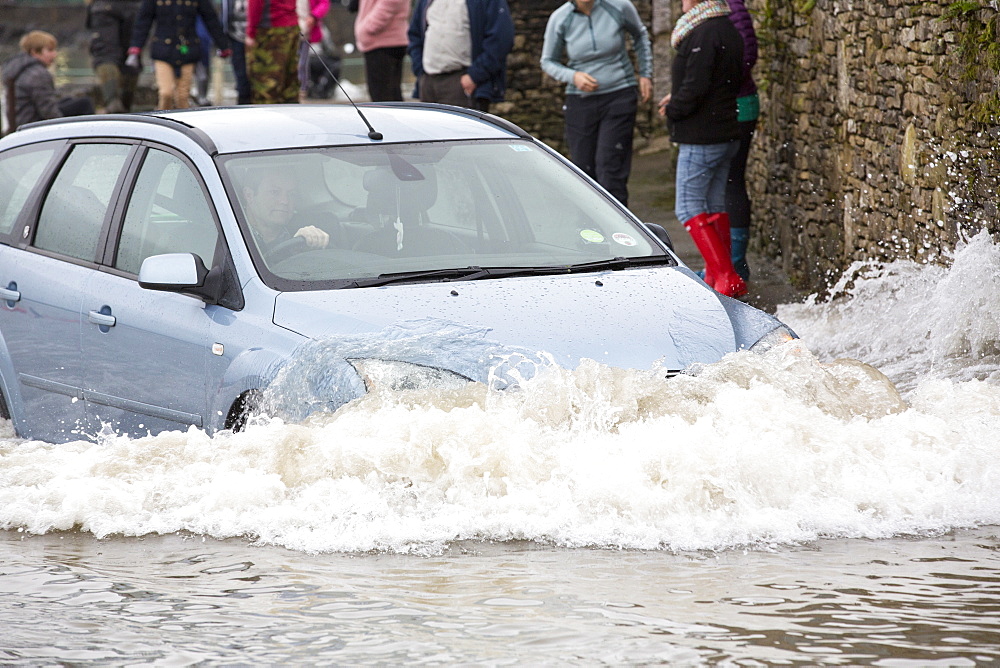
(311, 13)
(380, 34)
(111, 23)
(175, 46)
(234, 21)
(701, 116)
(602, 90)
(272, 44)
(31, 91)
(458, 50)
(747, 111)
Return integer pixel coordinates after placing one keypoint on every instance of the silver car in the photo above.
(170, 269)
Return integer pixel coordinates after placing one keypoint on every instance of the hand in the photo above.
(132, 61)
(225, 53)
(645, 89)
(249, 42)
(468, 85)
(584, 82)
(663, 104)
(315, 237)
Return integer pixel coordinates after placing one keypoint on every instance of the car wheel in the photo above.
(246, 406)
(4, 412)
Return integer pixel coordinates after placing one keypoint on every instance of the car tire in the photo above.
(4, 411)
(246, 406)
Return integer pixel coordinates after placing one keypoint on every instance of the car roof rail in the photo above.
(172, 121)
(475, 113)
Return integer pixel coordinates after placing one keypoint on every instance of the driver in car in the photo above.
(270, 205)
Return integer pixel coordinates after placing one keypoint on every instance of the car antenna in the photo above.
(372, 134)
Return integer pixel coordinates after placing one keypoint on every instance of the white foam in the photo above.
(755, 450)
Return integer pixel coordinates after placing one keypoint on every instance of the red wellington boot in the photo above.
(719, 272)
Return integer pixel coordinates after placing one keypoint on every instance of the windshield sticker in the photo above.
(520, 147)
(623, 239)
(593, 236)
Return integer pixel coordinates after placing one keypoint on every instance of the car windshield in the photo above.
(339, 217)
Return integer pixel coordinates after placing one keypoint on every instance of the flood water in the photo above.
(835, 501)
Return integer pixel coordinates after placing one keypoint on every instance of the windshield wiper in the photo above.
(474, 273)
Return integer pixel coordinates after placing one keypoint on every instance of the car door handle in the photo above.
(9, 295)
(102, 319)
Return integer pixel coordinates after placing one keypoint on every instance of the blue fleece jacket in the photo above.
(595, 44)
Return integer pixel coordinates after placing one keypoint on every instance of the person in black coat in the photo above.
(175, 47)
(701, 116)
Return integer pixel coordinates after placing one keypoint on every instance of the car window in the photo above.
(19, 173)
(75, 206)
(167, 213)
(423, 207)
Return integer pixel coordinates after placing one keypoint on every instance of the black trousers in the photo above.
(599, 136)
(76, 106)
(737, 199)
(384, 73)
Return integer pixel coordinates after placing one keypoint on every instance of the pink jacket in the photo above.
(381, 23)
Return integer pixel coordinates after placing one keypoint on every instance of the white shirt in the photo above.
(447, 40)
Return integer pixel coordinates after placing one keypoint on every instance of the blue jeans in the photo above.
(702, 172)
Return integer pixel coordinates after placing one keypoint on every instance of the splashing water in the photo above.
(912, 321)
(755, 450)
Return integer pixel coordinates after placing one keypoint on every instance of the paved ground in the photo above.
(651, 197)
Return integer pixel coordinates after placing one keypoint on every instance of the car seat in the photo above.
(390, 199)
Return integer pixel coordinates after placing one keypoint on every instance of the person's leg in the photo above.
(581, 118)
(444, 89)
(699, 169)
(718, 158)
(272, 66)
(182, 91)
(613, 161)
(164, 73)
(384, 73)
(125, 17)
(303, 68)
(738, 200)
(238, 59)
(105, 50)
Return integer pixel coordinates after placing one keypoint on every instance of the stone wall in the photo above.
(880, 130)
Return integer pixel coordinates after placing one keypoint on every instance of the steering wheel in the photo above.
(286, 249)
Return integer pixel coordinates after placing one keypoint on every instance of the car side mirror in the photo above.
(172, 272)
(184, 273)
(660, 233)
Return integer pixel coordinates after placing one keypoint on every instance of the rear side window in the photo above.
(19, 172)
(167, 213)
(77, 203)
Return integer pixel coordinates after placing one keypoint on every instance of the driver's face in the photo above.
(272, 204)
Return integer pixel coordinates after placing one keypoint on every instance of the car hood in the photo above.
(638, 318)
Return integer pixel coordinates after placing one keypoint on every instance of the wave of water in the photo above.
(756, 450)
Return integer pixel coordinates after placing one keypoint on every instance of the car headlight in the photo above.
(773, 339)
(392, 375)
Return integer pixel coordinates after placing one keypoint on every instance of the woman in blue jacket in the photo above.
(602, 91)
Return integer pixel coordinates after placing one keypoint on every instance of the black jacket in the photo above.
(33, 92)
(707, 74)
(175, 38)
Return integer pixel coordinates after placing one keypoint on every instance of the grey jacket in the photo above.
(35, 96)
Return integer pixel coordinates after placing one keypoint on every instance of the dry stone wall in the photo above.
(880, 130)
